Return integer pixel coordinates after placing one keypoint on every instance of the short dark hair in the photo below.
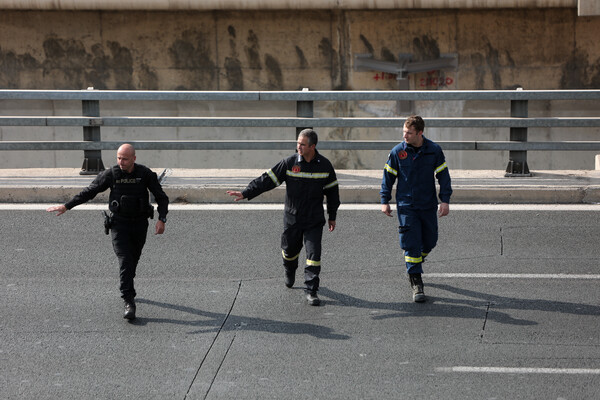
(310, 135)
(416, 122)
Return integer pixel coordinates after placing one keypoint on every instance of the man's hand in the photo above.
(59, 209)
(160, 228)
(331, 225)
(443, 210)
(238, 195)
(386, 209)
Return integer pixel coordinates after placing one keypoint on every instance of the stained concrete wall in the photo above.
(549, 48)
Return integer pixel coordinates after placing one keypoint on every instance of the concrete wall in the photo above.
(548, 48)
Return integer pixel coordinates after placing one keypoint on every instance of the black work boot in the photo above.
(129, 312)
(313, 299)
(417, 287)
(290, 278)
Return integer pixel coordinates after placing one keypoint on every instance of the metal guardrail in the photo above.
(91, 121)
(272, 122)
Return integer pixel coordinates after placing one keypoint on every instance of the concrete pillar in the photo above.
(588, 7)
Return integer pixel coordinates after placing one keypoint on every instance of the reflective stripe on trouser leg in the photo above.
(413, 264)
(291, 244)
(312, 244)
(290, 263)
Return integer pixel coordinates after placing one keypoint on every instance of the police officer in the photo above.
(309, 177)
(414, 163)
(130, 207)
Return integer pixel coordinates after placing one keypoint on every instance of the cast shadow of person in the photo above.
(435, 306)
(514, 303)
(208, 321)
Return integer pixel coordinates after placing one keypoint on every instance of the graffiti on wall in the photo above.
(435, 79)
(432, 80)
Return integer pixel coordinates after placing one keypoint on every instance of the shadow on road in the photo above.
(514, 303)
(435, 306)
(214, 322)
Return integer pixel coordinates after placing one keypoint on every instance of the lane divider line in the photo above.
(513, 370)
(512, 276)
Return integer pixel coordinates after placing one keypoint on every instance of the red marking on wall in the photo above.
(383, 76)
(433, 80)
(436, 81)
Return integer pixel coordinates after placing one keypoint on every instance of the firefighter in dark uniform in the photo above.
(309, 177)
(130, 207)
(415, 163)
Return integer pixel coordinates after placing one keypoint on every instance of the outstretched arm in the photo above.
(238, 195)
(58, 209)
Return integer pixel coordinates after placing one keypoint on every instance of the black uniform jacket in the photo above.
(306, 185)
(140, 180)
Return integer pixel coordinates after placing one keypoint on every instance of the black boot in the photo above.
(290, 277)
(417, 287)
(129, 312)
(313, 299)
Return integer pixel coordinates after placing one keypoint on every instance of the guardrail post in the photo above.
(92, 159)
(304, 109)
(517, 164)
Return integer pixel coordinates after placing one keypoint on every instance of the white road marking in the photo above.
(451, 275)
(513, 370)
(525, 207)
(344, 207)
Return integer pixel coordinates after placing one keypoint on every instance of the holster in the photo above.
(107, 222)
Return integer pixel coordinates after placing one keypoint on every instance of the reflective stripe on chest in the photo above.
(308, 175)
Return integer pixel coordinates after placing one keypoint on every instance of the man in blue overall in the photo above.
(415, 163)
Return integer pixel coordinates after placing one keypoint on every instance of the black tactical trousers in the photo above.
(128, 239)
(291, 244)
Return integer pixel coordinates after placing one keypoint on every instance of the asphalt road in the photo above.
(513, 310)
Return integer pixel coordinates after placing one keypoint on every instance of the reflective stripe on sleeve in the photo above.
(332, 184)
(391, 170)
(441, 168)
(273, 177)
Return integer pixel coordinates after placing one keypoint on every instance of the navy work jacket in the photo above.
(306, 185)
(416, 172)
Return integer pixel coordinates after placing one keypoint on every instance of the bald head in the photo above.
(126, 157)
(126, 149)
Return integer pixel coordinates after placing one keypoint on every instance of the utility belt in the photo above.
(127, 209)
(111, 219)
(131, 207)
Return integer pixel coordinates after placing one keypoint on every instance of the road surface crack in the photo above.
(487, 311)
(212, 345)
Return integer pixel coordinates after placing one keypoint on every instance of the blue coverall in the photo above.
(416, 197)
